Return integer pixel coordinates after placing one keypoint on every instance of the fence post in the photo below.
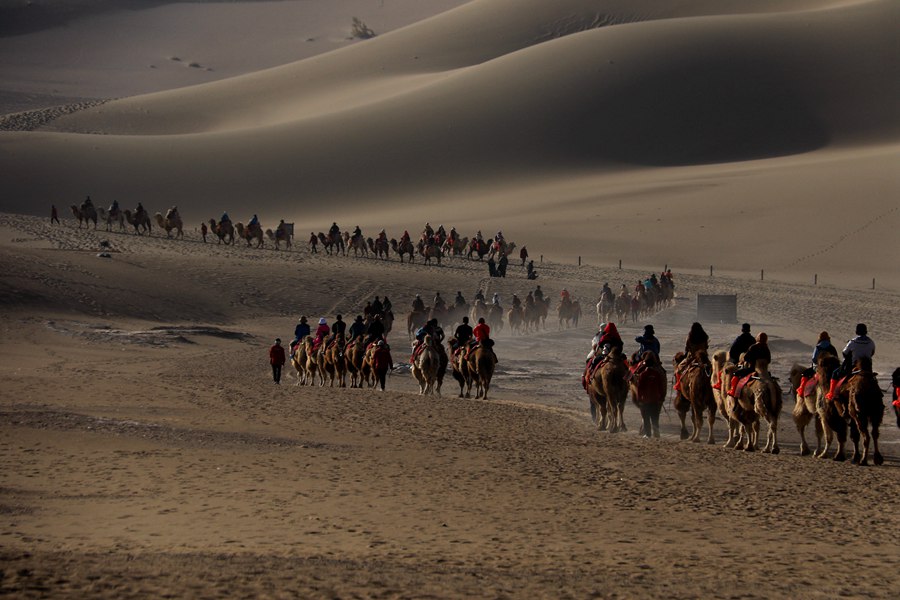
(579, 261)
(762, 274)
(620, 264)
(873, 283)
(710, 270)
(542, 259)
(816, 279)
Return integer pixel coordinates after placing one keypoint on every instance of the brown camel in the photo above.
(760, 398)
(331, 363)
(379, 247)
(357, 244)
(141, 222)
(860, 402)
(415, 320)
(298, 361)
(354, 355)
(481, 362)
(224, 231)
(648, 391)
(607, 391)
(281, 234)
(495, 318)
(111, 218)
(479, 247)
(250, 233)
(460, 369)
(85, 214)
(695, 394)
(404, 247)
(425, 368)
(429, 251)
(722, 368)
(516, 319)
(170, 223)
(810, 403)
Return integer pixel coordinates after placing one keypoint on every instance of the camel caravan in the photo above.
(836, 396)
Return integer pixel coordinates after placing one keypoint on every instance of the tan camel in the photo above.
(568, 312)
(495, 318)
(859, 401)
(85, 214)
(695, 394)
(460, 369)
(479, 247)
(250, 233)
(516, 319)
(648, 391)
(429, 252)
(759, 398)
(457, 248)
(810, 403)
(141, 222)
(404, 247)
(501, 248)
(311, 364)
(722, 368)
(607, 390)
(110, 218)
(298, 361)
(480, 363)
(357, 244)
(281, 234)
(224, 231)
(425, 368)
(354, 355)
(331, 363)
(172, 223)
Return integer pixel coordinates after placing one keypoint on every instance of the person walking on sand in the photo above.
(276, 359)
(382, 362)
(54, 216)
(203, 231)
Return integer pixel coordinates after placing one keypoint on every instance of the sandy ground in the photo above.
(146, 451)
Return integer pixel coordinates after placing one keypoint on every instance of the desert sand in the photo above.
(145, 450)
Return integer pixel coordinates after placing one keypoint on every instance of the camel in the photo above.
(298, 361)
(479, 247)
(722, 368)
(331, 363)
(110, 218)
(354, 356)
(480, 364)
(495, 318)
(605, 309)
(281, 234)
(415, 320)
(860, 403)
(139, 222)
(425, 368)
(428, 252)
(516, 318)
(568, 312)
(623, 304)
(250, 233)
(607, 390)
(224, 231)
(760, 398)
(460, 369)
(378, 247)
(810, 403)
(695, 394)
(357, 244)
(648, 391)
(404, 247)
(501, 248)
(457, 248)
(170, 223)
(309, 363)
(480, 310)
(85, 214)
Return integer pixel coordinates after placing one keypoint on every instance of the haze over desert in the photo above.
(749, 146)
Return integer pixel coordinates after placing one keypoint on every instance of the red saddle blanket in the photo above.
(809, 388)
(741, 383)
(836, 386)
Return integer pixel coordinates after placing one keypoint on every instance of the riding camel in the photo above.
(281, 234)
(501, 248)
(139, 221)
(354, 356)
(357, 244)
(454, 248)
(479, 247)
(623, 305)
(170, 223)
(250, 233)
(516, 319)
(759, 399)
(404, 247)
(810, 403)
(331, 363)
(309, 360)
(495, 318)
(425, 368)
(480, 365)
(460, 369)
(379, 247)
(110, 218)
(859, 402)
(648, 391)
(85, 214)
(607, 390)
(722, 369)
(223, 230)
(429, 251)
(695, 394)
(605, 308)
(298, 361)
(567, 312)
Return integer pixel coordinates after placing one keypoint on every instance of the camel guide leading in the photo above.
(276, 359)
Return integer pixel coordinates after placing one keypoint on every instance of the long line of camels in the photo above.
(227, 232)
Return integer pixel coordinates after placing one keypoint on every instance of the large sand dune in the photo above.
(470, 112)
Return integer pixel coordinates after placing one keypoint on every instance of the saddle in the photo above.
(743, 381)
(807, 387)
(896, 401)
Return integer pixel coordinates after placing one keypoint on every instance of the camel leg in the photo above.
(654, 419)
(773, 431)
(878, 458)
(819, 435)
(646, 427)
(828, 434)
(711, 419)
(862, 426)
(613, 412)
(697, 421)
(682, 414)
(854, 437)
(801, 420)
